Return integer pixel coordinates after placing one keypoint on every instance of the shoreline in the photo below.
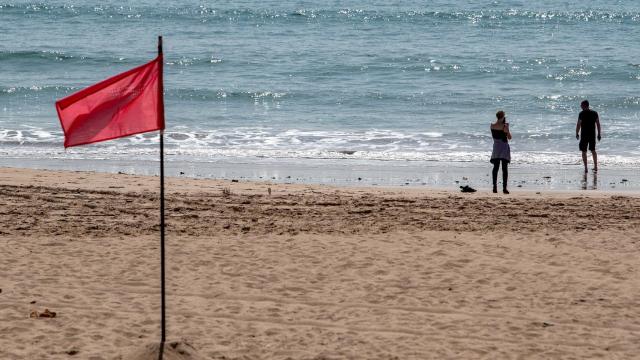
(104, 181)
(356, 173)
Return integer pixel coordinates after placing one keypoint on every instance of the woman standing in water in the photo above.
(501, 150)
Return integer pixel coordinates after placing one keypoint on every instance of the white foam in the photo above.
(375, 145)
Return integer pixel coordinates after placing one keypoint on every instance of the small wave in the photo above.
(115, 151)
(557, 97)
(204, 13)
(489, 17)
(207, 94)
(571, 102)
(247, 138)
(176, 93)
(185, 61)
(29, 136)
(570, 73)
(46, 57)
(28, 90)
(373, 144)
(433, 66)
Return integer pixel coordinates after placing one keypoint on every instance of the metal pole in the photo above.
(162, 282)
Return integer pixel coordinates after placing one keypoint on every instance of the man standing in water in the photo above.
(588, 121)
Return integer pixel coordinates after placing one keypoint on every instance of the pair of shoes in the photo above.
(505, 191)
(467, 188)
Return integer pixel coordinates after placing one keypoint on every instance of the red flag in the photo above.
(126, 104)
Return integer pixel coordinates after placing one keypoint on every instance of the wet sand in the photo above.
(357, 173)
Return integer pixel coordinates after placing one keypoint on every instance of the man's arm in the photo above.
(598, 126)
(578, 128)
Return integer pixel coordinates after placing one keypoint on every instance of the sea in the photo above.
(374, 92)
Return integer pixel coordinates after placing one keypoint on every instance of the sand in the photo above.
(314, 272)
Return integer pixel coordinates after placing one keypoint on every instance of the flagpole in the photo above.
(162, 282)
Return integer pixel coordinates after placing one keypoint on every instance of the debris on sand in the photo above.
(467, 189)
(45, 314)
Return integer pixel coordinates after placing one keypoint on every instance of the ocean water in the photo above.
(373, 81)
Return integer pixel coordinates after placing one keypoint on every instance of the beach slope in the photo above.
(273, 271)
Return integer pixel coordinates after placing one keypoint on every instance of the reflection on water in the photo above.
(585, 181)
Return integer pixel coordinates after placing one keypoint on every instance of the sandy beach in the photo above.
(285, 271)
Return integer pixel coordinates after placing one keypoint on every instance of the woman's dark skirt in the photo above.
(501, 151)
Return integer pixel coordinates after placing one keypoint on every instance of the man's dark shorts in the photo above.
(587, 142)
